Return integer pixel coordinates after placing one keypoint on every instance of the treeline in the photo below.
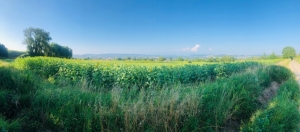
(37, 41)
(3, 51)
(224, 59)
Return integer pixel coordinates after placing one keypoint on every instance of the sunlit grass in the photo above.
(285, 63)
(60, 104)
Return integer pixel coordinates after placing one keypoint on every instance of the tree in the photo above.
(161, 58)
(227, 58)
(37, 41)
(3, 51)
(272, 56)
(211, 59)
(289, 52)
(264, 56)
(56, 50)
(180, 59)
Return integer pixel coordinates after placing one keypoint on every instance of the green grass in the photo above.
(282, 113)
(32, 103)
(265, 61)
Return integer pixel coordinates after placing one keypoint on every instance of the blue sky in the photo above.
(175, 27)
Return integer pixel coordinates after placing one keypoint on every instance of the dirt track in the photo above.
(295, 67)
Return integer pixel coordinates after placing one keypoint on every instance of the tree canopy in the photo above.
(180, 59)
(227, 58)
(37, 41)
(288, 52)
(57, 50)
(3, 51)
(272, 56)
(161, 58)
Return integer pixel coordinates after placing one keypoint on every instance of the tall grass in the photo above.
(17, 89)
(282, 113)
(174, 108)
(60, 104)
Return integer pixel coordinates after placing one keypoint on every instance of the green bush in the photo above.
(9, 126)
(3, 51)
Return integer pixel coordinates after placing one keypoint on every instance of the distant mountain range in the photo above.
(111, 56)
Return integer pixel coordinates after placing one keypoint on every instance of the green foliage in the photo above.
(125, 76)
(16, 89)
(14, 54)
(9, 126)
(37, 41)
(227, 58)
(282, 113)
(212, 59)
(175, 108)
(289, 52)
(264, 56)
(180, 59)
(68, 100)
(272, 56)
(161, 58)
(57, 50)
(3, 51)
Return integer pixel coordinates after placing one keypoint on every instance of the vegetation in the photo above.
(59, 51)
(272, 56)
(289, 52)
(180, 59)
(227, 58)
(38, 97)
(37, 41)
(3, 51)
(126, 76)
(161, 58)
(12, 54)
(282, 112)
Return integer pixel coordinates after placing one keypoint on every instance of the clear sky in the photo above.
(231, 27)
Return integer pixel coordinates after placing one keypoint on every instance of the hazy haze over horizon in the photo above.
(155, 26)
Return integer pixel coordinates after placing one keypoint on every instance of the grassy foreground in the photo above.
(32, 103)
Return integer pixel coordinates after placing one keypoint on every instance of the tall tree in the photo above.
(288, 52)
(3, 51)
(37, 41)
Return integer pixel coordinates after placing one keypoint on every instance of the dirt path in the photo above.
(295, 67)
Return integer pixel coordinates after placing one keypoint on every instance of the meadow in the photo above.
(53, 94)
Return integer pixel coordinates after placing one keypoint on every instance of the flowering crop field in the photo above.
(53, 94)
(107, 75)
